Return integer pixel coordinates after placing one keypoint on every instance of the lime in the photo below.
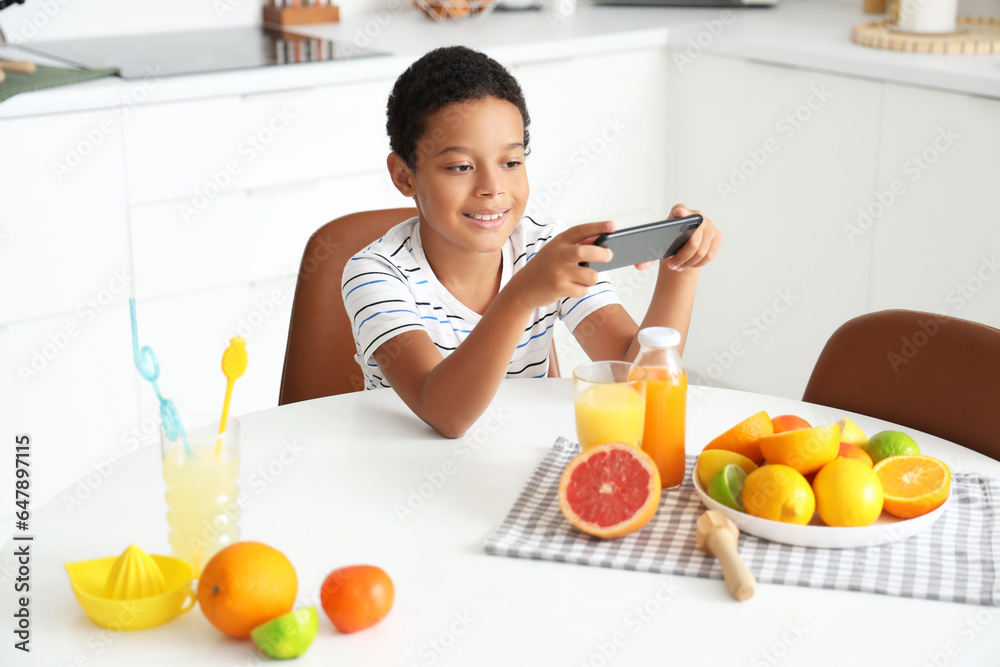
(288, 635)
(884, 444)
(711, 461)
(727, 487)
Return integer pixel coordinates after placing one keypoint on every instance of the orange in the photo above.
(848, 493)
(610, 490)
(244, 585)
(779, 493)
(807, 449)
(849, 451)
(783, 423)
(913, 484)
(743, 438)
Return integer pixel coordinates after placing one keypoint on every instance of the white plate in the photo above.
(885, 530)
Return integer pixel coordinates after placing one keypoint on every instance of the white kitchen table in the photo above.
(358, 479)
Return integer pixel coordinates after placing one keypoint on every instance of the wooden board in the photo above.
(974, 36)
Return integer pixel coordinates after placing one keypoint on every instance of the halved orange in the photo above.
(610, 490)
(913, 484)
(805, 449)
(744, 437)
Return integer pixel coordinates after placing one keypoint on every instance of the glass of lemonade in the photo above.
(610, 398)
(202, 491)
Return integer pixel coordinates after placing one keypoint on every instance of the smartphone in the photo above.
(645, 243)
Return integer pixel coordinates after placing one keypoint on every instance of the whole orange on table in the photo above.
(244, 585)
(357, 597)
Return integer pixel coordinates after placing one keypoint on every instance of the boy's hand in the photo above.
(700, 249)
(555, 272)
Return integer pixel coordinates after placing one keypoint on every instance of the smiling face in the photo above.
(469, 181)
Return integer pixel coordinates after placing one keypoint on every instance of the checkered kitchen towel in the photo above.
(956, 559)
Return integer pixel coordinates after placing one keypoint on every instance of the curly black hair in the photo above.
(440, 78)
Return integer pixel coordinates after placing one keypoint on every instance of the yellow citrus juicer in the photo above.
(133, 591)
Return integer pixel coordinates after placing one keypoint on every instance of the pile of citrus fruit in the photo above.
(248, 589)
(785, 469)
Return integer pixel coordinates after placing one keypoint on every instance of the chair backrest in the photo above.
(319, 354)
(934, 373)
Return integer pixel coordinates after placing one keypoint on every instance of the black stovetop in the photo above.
(196, 51)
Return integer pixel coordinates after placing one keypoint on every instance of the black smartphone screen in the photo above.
(645, 243)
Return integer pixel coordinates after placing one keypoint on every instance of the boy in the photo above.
(454, 288)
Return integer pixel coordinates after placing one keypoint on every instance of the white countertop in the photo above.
(811, 34)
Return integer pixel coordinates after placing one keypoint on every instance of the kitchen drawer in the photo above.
(242, 237)
(193, 150)
(63, 231)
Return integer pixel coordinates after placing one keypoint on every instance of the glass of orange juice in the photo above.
(610, 398)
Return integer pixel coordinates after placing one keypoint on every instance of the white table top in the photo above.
(325, 481)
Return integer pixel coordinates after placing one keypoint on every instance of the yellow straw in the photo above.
(234, 364)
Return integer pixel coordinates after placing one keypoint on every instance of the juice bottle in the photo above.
(202, 496)
(666, 401)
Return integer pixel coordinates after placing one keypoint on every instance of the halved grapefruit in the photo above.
(610, 490)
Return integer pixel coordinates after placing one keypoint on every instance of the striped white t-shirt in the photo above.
(389, 288)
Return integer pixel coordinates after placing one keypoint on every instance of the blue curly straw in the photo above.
(149, 369)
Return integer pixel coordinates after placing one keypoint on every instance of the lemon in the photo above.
(780, 493)
(848, 493)
(288, 635)
(727, 487)
(890, 443)
(851, 433)
(711, 461)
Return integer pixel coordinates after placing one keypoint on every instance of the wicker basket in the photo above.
(450, 10)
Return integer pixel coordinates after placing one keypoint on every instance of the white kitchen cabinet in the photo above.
(243, 236)
(778, 158)
(63, 235)
(934, 213)
(69, 383)
(597, 135)
(193, 152)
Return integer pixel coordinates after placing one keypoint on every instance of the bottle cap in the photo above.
(659, 337)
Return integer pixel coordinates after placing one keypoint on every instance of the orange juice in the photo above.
(609, 412)
(663, 435)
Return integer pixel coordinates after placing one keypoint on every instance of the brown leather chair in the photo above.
(934, 373)
(319, 354)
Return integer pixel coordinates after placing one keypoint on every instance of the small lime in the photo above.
(727, 487)
(288, 635)
(884, 444)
